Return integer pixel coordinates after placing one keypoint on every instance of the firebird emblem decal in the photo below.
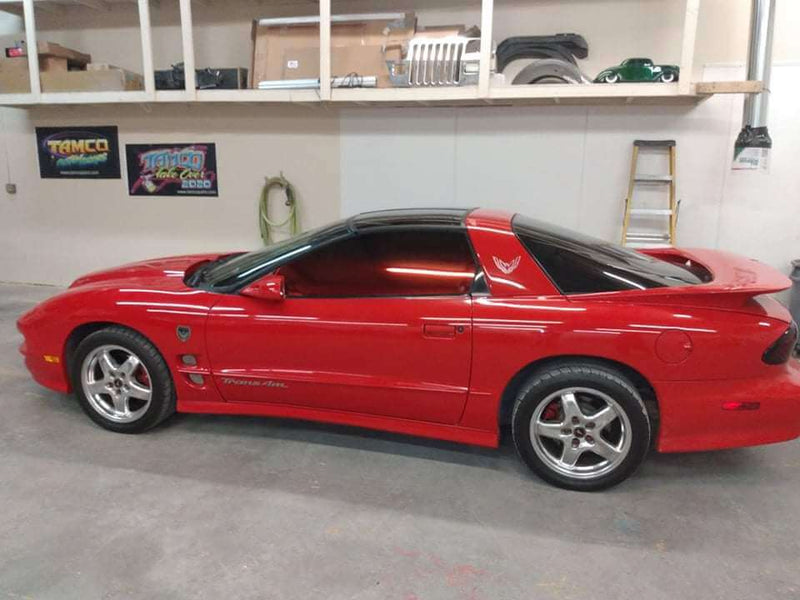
(507, 267)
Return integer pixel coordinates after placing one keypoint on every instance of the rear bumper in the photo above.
(692, 416)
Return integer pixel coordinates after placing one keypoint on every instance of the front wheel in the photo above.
(667, 77)
(122, 381)
(581, 426)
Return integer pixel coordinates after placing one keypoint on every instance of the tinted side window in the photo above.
(579, 264)
(390, 263)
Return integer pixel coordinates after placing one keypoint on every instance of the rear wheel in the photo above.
(611, 78)
(581, 426)
(121, 381)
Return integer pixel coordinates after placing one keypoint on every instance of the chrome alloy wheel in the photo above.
(116, 383)
(580, 432)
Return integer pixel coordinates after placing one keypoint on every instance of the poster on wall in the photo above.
(172, 169)
(78, 152)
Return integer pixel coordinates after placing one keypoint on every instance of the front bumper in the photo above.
(692, 417)
(43, 359)
(49, 374)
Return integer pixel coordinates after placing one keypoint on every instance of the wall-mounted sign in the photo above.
(78, 152)
(171, 169)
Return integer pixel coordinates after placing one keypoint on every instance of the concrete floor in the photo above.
(225, 508)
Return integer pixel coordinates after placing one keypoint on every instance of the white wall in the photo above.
(759, 213)
(52, 230)
(10, 24)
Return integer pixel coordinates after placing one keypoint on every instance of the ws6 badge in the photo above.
(78, 152)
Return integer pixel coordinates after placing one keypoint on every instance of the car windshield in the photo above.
(581, 264)
(230, 273)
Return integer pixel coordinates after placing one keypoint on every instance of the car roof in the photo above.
(410, 217)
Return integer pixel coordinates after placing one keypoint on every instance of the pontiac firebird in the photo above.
(447, 324)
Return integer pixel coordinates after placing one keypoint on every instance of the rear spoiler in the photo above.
(730, 273)
(729, 280)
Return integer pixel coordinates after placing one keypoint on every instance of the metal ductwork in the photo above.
(754, 142)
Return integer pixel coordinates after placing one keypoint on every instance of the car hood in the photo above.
(173, 267)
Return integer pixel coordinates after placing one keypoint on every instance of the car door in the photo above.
(378, 324)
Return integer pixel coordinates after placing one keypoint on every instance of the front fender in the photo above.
(153, 311)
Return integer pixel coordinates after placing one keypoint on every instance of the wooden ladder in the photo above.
(667, 216)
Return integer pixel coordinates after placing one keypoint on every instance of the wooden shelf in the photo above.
(288, 96)
(639, 94)
(729, 87)
(443, 95)
(523, 95)
(485, 93)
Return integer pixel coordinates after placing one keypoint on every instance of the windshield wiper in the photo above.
(200, 273)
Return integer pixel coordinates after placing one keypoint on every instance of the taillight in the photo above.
(781, 349)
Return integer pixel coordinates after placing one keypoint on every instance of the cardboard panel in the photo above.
(14, 76)
(110, 80)
(292, 51)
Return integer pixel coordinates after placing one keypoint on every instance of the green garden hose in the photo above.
(264, 222)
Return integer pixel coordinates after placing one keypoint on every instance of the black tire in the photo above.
(162, 400)
(612, 78)
(606, 382)
(668, 77)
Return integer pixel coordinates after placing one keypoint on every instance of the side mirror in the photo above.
(269, 288)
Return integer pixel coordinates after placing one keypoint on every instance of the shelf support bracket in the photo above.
(324, 50)
(484, 74)
(33, 49)
(188, 49)
(147, 49)
(687, 47)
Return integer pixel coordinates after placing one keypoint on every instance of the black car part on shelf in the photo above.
(549, 70)
(564, 46)
(229, 78)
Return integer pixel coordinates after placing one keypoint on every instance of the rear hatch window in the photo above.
(580, 264)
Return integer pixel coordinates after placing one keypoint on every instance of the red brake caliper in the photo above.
(551, 412)
(141, 377)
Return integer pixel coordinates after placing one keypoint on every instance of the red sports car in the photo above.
(441, 323)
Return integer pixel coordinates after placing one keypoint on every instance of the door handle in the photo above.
(439, 331)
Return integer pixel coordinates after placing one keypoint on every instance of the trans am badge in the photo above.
(172, 169)
(78, 152)
(254, 382)
(507, 267)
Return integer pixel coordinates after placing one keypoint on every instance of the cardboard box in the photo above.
(53, 56)
(14, 76)
(359, 44)
(110, 79)
(53, 63)
(75, 59)
(14, 79)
